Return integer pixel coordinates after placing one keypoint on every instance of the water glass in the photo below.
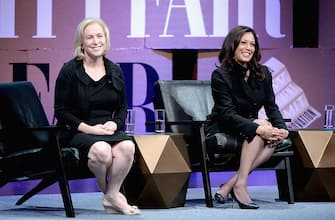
(329, 116)
(159, 120)
(130, 121)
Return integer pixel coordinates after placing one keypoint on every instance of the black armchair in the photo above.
(29, 145)
(188, 102)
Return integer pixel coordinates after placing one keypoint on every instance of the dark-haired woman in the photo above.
(241, 86)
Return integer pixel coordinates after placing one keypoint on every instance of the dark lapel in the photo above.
(248, 91)
(230, 79)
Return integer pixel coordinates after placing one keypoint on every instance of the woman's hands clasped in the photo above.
(272, 136)
(108, 128)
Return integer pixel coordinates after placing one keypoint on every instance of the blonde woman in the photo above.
(90, 102)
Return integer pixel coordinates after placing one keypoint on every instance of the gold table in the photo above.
(160, 174)
(314, 165)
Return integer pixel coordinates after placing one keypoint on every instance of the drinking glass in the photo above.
(130, 121)
(159, 120)
(329, 119)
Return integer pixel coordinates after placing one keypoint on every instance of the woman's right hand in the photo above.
(97, 129)
(267, 132)
(271, 135)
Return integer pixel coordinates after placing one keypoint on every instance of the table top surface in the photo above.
(314, 129)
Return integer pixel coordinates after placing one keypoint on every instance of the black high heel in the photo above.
(218, 197)
(243, 205)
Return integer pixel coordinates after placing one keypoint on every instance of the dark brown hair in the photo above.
(231, 42)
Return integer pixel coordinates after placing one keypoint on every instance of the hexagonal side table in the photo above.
(316, 148)
(160, 174)
(314, 165)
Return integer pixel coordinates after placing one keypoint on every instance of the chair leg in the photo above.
(42, 185)
(205, 172)
(66, 196)
(61, 175)
(289, 181)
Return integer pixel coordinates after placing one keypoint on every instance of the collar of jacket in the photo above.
(113, 73)
(239, 70)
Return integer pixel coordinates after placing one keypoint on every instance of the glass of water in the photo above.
(159, 120)
(130, 121)
(329, 114)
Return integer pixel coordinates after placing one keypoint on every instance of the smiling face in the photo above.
(94, 41)
(245, 49)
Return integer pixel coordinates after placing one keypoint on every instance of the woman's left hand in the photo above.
(278, 135)
(110, 126)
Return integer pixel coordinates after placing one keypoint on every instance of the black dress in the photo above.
(101, 98)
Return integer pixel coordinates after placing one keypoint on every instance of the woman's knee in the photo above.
(100, 152)
(126, 148)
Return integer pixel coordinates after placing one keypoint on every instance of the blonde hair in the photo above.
(79, 36)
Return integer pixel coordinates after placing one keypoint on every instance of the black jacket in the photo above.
(71, 95)
(236, 102)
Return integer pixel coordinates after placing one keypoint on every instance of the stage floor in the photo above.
(88, 206)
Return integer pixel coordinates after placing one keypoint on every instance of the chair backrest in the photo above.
(20, 109)
(184, 100)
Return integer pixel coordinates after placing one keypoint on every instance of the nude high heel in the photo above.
(133, 210)
(112, 209)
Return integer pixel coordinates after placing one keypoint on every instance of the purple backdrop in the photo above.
(37, 36)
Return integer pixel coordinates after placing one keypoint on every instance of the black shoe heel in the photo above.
(219, 198)
(243, 205)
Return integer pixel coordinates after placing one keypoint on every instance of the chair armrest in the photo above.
(34, 137)
(181, 122)
(191, 122)
(286, 145)
(187, 122)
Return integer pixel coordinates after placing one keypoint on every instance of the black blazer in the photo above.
(71, 94)
(236, 102)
